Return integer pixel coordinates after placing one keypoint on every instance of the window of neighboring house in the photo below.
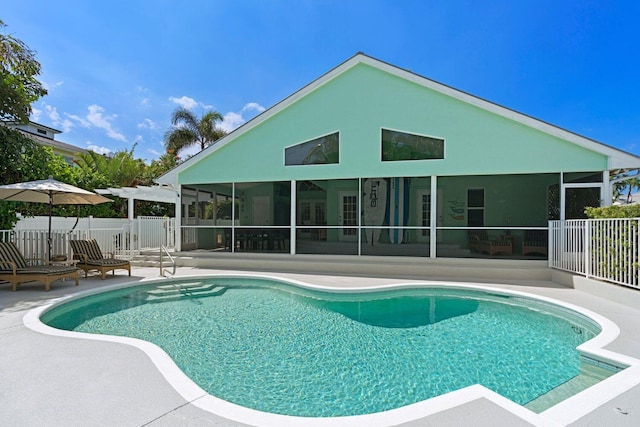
(405, 146)
(320, 151)
(42, 131)
(475, 207)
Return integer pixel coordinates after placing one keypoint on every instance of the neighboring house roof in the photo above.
(617, 159)
(45, 135)
(63, 146)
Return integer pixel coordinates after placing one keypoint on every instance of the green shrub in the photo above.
(623, 211)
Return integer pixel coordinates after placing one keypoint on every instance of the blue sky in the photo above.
(116, 70)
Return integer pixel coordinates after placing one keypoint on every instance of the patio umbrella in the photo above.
(51, 192)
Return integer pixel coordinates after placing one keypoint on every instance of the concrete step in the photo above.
(178, 291)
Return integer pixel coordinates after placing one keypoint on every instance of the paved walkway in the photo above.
(56, 381)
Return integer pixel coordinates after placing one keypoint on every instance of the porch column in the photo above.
(607, 197)
(292, 226)
(433, 217)
(562, 197)
(130, 214)
(178, 217)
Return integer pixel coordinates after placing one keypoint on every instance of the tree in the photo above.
(189, 131)
(18, 85)
(22, 159)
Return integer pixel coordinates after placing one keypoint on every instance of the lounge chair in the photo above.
(475, 237)
(535, 242)
(90, 258)
(15, 269)
(496, 246)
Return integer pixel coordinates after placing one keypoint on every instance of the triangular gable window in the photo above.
(398, 145)
(319, 151)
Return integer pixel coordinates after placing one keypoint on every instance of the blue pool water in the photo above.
(282, 349)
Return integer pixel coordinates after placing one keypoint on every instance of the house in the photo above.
(45, 135)
(372, 159)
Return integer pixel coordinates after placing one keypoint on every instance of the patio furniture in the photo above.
(535, 242)
(15, 269)
(90, 257)
(475, 237)
(496, 245)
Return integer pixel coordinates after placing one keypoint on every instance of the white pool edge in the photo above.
(563, 413)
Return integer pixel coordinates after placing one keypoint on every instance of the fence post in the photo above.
(587, 248)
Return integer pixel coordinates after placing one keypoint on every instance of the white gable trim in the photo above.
(618, 159)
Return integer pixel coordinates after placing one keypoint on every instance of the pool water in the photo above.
(283, 349)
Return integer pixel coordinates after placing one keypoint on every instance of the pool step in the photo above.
(589, 375)
(175, 292)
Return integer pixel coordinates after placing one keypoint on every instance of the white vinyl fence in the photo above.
(120, 236)
(605, 249)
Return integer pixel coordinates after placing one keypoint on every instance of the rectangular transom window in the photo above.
(320, 151)
(405, 146)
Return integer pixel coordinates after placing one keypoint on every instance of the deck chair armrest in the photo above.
(81, 257)
(9, 263)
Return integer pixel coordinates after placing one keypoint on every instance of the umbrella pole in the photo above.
(49, 233)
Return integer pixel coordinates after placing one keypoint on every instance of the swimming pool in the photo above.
(280, 348)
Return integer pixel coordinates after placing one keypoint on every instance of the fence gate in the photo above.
(153, 232)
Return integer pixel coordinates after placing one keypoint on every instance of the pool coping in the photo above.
(562, 413)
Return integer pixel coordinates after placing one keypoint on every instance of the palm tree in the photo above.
(189, 131)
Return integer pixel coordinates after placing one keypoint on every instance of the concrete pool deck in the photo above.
(57, 381)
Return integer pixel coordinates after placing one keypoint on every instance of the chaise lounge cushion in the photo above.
(15, 269)
(90, 257)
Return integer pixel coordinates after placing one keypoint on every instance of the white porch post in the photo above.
(433, 217)
(562, 197)
(607, 197)
(292, 227)
(178, 215)
(130, 214)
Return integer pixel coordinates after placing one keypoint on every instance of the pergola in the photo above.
(159, 193)
(163, 194)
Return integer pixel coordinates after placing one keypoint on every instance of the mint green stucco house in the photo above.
(371, 159)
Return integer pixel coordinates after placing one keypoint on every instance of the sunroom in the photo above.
(370, 159)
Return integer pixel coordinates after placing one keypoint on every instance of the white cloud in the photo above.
(233, 120)
(57, 121)
(84, 123)
(52, 113)
(184, 102)
(35, 114)
(97, 119)
(253, 106)
(97, 149)
(148, 124)
(51, 86)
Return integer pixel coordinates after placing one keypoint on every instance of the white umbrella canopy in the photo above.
(51, 192)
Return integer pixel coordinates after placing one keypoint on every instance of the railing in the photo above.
(605, 249)
(164, 250)
(33, 243)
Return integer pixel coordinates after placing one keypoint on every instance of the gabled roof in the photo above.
(618, 159)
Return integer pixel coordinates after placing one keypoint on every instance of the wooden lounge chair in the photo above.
(15, 269)
(496, 246)
(475, 237)
(535, 242)
(90, 258)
